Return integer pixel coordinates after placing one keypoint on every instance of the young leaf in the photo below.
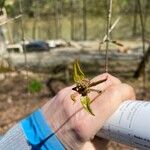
(85, 101)
(78, 74)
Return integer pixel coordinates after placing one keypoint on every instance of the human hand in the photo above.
(74, 126)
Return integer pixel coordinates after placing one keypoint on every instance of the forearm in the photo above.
(32, 132)
(14, 139)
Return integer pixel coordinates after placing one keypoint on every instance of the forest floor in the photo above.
(16, 102)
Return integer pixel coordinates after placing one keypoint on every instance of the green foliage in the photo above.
(83, 87)
(85, 101)
(78, 74)
(34, 86)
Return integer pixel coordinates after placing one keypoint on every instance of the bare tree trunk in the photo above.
(10, 36)
(72, 21)
(84, 20)
(134, 29)
(57, 19)
(142, 63)
(60, 17)
(49, 33)
(147, 8)
(35, 21)
(142, 25)
(34, 28)
(143, 42)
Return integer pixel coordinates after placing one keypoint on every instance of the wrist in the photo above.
(61, 125)
(38, 133)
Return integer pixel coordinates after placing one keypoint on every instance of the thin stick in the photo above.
(97, 82)
(108, 34)
(143, 42)
(111, 28)
(23, 42)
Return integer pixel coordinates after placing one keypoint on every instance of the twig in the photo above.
(23, 42)
(110, 30)
(108, 34)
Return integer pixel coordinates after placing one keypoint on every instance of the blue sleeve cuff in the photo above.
(39, 134)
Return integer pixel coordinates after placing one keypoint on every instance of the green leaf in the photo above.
(85, 101)
(34, 86)
(78, 74)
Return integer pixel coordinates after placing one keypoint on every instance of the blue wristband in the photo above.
(39, 134)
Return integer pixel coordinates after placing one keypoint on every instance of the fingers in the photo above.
(85, 125)
(111, 80)
(110, 99)
(67, 94)
(106, 75)
(129, 92)
(105, 105)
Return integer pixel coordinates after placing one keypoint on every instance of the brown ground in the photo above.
(16, 103)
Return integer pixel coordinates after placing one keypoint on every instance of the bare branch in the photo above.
(111, 28)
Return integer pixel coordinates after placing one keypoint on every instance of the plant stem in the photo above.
(108, 34)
